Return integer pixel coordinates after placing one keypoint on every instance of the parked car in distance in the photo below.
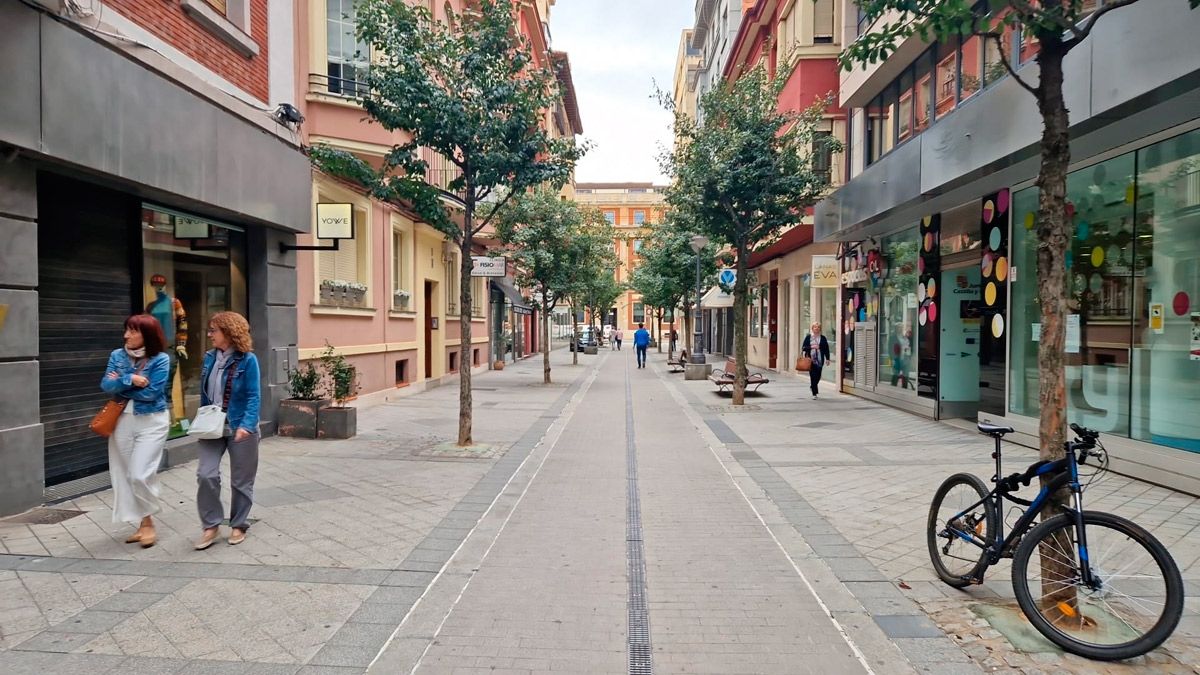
(587, 338)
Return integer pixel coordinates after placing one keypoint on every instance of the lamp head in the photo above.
(699, 241)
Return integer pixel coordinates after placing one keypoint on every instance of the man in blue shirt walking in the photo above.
(641, 340)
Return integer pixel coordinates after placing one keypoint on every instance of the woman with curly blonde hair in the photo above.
(229, 378)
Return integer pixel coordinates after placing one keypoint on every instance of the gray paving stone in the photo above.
(856, 569)
(329, 670)
(931, 650)
(354, 634)
(127, 602)
(49, 641)
(342, 655)
(381, 612)
(395, 595)
(148, 665)
(41, 663)
(420, 566)
(90, 621)
(408, 578)
(835, 551)
(159, 585)
(46, 564)
(216, 668)
(270, 669)
(11, 562)
(904, 626)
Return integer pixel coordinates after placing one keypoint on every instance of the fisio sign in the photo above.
(335, 221)
(486, 266)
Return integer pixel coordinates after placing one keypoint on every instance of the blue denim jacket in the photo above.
(244, 398)
(149, 399)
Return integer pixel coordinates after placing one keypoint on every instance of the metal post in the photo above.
(698, 337)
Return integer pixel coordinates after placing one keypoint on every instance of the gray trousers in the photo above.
(243, 465)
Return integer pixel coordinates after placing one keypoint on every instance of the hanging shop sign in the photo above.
(335, 221)
(824, 271)
(487, 266)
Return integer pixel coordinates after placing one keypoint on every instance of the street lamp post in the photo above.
(699, 241)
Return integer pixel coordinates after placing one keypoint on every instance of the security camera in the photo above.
(287, 113)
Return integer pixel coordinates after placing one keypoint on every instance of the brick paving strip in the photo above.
(852, 480)
(148, 603)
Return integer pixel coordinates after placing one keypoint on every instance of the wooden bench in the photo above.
(677, 364)
(724, 379)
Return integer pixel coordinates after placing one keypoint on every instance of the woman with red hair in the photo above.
(138, 372)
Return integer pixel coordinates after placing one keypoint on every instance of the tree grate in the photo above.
(641, 661)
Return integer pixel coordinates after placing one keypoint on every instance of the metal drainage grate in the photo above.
(641, 661)
(44, 516)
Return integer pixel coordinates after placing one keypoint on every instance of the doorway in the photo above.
(958, 368)
(430, 326)
(773, 321)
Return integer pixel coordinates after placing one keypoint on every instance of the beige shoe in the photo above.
(208, 538)
(149, 539)
(134, 538)
(236, 537)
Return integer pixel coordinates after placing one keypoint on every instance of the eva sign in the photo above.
(335, 221)
(824, 271)
(727, 277)
(486, 266)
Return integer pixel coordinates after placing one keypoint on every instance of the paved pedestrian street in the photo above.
(619, 520)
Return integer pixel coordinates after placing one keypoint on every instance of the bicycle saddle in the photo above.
(993, 429)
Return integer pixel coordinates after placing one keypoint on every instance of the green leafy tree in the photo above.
(1058, 27)
(469, 90)
(745, 175)
(599, 288)
(548, 241)
(666, 274)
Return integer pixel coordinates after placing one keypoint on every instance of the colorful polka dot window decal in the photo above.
(1095, 283)
(928, 242)
(1082, 230)
(985, 265)
(931, 288)
(989, 211)
(1001, 269)
(932, 311)
(998, 325)
(1029, 220)
(1181, 304)
(994, 239)
(989, 294)
(922, 317)
(1002, 200)
(921, 292)
(1097, 256)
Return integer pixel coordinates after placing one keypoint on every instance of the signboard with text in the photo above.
(824, 271)
(335, 221)
(486, 266)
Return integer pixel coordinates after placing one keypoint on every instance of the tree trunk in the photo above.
(739, 326)
(545, 340)
(464, 322)
(1054, 237)
(658, 342)
(688, 333)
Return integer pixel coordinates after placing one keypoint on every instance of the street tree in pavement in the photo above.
(1058, 27)
(744, 175)
(666, 274)
(549, 240)
(469, 90)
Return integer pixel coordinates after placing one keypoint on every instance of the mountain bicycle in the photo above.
(1093, 583)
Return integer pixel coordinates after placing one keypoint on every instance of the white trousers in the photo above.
(134, 453)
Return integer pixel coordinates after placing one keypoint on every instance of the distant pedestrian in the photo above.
(674, 340)
(641, 340)
(138, 373)
(815, 347)
(618, 335)
(608, 332)
(229, 378)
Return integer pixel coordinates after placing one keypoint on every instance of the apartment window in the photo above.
(478, 298)
(401, 292)
(639, 312)
(344, 275)
(905, 107)
(972, 66)
(637, 246)
(823, 152)
(348, 58)
(823, 22)
(923, 95)
(452, 285)
(611, 217)
(639, 217)
(946, 78)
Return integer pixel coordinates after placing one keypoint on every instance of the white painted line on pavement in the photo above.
(555, 430)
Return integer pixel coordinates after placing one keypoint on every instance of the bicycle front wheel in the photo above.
(1132, 604)
(961, 525)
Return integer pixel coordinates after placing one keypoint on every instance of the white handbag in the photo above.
(210, 419)
(209, 423)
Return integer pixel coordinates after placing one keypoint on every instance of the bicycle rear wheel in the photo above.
(960, 527)
(1133, 604)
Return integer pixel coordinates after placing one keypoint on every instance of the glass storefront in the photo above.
(1133, 332)
(191, 269)
(898, 311)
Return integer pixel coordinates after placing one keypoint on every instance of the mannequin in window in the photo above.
(172, 317)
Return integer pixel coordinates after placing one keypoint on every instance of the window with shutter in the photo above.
(823, 21)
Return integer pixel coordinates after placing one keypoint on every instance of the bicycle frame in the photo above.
(996, 549)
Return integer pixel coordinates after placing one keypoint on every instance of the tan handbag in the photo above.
(803, 364)
(105, 421)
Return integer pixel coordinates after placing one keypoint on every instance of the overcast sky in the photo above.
(618, 50)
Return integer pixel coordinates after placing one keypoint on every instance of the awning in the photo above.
(518, 302)
(716, 298)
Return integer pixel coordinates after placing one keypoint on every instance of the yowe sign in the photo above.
(335, 221)
(486, 266)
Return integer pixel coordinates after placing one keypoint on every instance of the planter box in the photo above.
(590, 349)
(343, 298)
(336, 422)
(298, 419)
(498, 365)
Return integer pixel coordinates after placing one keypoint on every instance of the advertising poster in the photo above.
(1194, 349)
(1073, 334)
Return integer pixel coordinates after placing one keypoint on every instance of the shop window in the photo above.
(187, 280)
(1166, 321)
(1107, 273)
(343, 274)
(477, 297)
(898, 301)
(348, 58)
(946, 78)
(755, 314)
(639, 217)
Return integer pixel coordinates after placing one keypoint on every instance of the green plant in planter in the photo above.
(303, 382)
(342, 376)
